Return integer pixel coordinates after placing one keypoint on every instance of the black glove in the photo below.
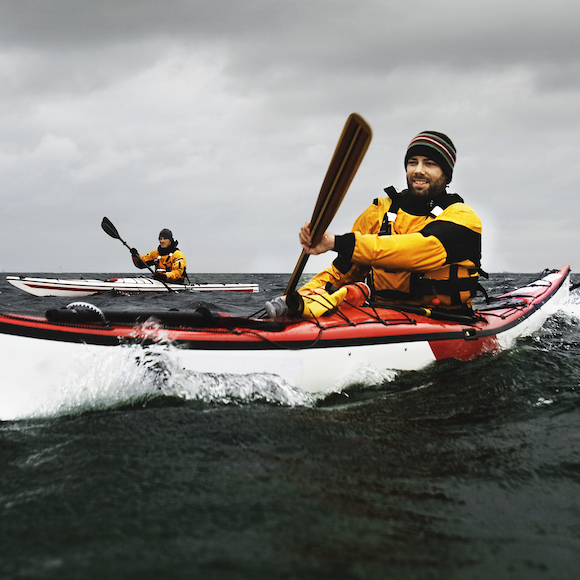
(134, 252)
(160, 276)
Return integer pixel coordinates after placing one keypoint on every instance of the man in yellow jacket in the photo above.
(169, 261)
(420, 246)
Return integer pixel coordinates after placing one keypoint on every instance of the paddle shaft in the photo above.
(111, 230)
(350, 150)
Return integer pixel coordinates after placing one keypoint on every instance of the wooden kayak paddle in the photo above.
(350, 150)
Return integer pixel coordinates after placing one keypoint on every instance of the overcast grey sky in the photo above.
(218, 119)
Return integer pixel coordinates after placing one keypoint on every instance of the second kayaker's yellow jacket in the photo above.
(409, 250)
(171, 264)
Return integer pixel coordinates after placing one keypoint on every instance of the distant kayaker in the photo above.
(168, 260)
(420, 246)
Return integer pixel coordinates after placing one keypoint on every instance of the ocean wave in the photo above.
(137, 376)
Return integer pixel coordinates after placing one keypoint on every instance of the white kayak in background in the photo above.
(87, 287)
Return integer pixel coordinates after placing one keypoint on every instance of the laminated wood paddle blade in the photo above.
(350, 150)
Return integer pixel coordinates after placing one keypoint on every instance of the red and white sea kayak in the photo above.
(319, 355)
(88, 287)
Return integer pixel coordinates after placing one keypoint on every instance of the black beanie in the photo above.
(165, 233)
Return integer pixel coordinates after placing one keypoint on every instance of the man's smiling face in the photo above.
(425, 178)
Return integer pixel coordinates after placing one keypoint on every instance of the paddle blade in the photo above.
(109, 228)
(350, 150)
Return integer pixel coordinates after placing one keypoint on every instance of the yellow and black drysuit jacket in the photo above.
(169, 261)
(409, 250)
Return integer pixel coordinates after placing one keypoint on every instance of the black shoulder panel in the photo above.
(459, 242)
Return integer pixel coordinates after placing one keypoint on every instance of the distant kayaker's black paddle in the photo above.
(110, 229)
(350, 150)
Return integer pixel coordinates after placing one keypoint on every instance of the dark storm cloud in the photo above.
(322, 32)
(230, 110)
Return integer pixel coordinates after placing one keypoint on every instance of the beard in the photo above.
(431, 191)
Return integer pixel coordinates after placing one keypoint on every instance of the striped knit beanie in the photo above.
(435, 146)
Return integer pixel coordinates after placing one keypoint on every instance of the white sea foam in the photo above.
(571, 308)
(126, 375)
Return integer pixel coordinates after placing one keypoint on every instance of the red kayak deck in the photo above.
(456, 336)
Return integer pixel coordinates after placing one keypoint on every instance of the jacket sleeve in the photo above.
(409, 252)
(343, 270)
(146, 259)
(453, 237)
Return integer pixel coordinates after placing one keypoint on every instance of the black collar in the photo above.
(166, 251)
(416, 206)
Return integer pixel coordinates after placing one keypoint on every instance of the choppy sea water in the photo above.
(463, 470)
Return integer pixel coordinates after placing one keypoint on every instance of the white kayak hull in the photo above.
(89, 287)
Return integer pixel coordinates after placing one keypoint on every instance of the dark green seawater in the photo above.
(465, 470)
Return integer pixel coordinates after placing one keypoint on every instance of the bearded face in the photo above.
(425, 178)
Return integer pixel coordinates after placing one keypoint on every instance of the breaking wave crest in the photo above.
(571, 309)
(137, 376)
